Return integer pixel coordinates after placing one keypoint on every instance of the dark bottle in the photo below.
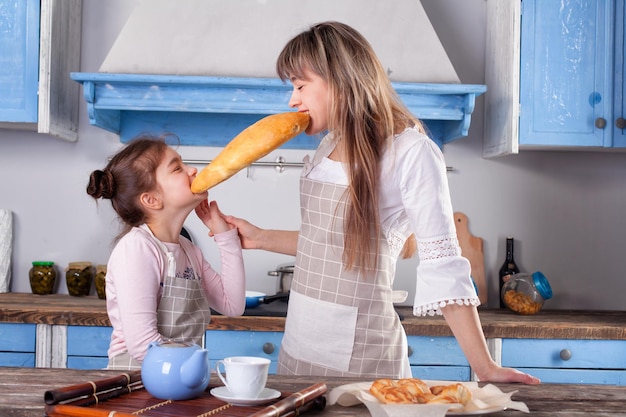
(509, 267)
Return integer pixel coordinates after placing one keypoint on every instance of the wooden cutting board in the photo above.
(472, 249)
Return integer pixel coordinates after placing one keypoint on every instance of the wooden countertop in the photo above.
(63, 309)
(22, 394)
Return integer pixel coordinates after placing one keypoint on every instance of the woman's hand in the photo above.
(500, 374)
(249, 234)
(253, 237)
(212, 217)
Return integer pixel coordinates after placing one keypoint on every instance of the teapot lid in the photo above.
(169, 343)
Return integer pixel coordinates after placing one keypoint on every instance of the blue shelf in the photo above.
(210, 111)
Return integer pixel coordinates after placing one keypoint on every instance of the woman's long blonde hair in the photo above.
(365, 113)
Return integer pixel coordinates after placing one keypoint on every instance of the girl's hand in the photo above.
(212, 217)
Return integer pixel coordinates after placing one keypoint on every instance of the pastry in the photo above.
(251, 144)
(401, 391)
(416, 391)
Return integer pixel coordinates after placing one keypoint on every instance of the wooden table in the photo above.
(22, 392)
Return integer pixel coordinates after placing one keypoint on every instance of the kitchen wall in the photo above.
(565, 209)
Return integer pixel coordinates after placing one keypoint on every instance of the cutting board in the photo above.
(472, 249)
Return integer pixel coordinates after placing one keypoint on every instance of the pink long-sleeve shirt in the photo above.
(135, 273)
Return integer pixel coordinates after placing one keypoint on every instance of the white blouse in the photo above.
(414, 198)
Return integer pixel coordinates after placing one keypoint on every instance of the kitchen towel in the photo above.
(6, 245)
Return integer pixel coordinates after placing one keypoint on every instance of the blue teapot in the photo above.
(174, 370)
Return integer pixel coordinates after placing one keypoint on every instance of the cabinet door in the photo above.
(224, 343)
(568, 361)
(19, 60)
(438, 358)
(87, 346)
(17, 344)
(619, 109)
(566, 79)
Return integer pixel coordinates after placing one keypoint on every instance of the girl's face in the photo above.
(174, 179)
(311, 95)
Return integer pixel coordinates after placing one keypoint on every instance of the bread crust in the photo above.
(253, 143)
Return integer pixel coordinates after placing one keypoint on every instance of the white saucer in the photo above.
(265, 396)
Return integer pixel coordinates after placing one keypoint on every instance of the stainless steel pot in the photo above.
(284, 272)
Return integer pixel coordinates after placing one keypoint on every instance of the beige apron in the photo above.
(339, 323)
(183, 311)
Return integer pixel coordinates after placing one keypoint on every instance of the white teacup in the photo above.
(245, 377)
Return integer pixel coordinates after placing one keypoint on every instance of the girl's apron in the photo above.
(339, 323)
(183, 311)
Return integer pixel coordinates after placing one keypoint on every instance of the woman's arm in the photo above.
(465, 324)
(253, 237)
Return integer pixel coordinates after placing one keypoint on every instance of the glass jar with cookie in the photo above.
(526, 293)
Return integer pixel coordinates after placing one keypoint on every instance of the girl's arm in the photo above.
(225, 291)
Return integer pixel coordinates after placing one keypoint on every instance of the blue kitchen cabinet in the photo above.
(437, 358)
(224, 343)
(87, 346)
(568, 361)
(19, 60)
(39, 47)
(17, 344)
(555, 73)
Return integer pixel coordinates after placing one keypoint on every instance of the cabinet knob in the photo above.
(600, 122)
(566, 354)
(268, 348)
(620, 123)
(410, 351)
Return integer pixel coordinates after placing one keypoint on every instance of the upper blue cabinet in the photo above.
(210, 111)
(19, 60)
(39, 47)
(555, 73)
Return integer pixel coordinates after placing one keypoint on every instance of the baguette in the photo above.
(253, 143)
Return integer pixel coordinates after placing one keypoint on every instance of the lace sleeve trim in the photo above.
(435, 308)
(438, 248)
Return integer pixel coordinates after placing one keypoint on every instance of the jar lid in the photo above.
(43, 263)
(542, 285)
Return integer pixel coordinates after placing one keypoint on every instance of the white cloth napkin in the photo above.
(485, 399)
(6, 244)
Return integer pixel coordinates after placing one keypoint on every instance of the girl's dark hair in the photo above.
(130, 173)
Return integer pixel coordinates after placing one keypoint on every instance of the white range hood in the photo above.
(204, 70)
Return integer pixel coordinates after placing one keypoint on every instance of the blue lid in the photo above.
(542, 285)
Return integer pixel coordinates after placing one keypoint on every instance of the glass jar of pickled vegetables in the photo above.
(100, 281)
(524, 293)
(42, 277)
(79, 276)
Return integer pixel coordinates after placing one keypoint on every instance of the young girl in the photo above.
(376, 189)
(158, 284)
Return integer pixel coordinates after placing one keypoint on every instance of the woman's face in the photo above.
(311, 95)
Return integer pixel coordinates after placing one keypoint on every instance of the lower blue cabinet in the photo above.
(87, 347)
(437, 358)
(17, 344)
(224, 343)
(568, 361)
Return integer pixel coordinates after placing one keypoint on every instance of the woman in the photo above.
(375, 190)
